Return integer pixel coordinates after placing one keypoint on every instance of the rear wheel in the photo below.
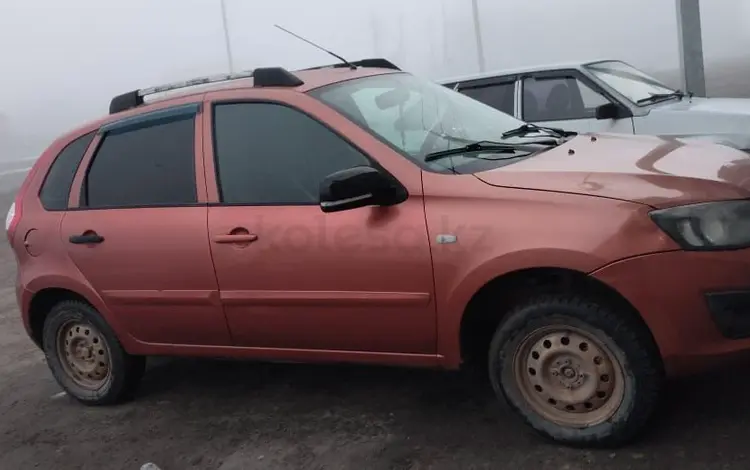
(86, 358)
(576, 371)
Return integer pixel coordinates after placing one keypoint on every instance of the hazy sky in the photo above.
(63, 60)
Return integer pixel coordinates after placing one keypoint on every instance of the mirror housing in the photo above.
(613, 111)
(359, 186)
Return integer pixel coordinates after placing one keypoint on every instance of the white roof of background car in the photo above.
(526, 69)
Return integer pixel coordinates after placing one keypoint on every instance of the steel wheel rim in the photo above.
(568, 376)
(84, 354)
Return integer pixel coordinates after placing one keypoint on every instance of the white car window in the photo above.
(559, 98)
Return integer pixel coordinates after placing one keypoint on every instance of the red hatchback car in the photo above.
(357, 213)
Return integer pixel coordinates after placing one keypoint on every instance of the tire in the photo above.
(613, 387)
(100, 371)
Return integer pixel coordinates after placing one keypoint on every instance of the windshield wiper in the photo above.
(480, 146)
(528, 128)
(661, 96)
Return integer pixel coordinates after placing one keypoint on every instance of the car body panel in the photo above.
(659, 284)
(651, 170)
(503, 230)
(343, 294)
(156, 278)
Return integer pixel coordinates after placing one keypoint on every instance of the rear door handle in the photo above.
(86, 238)
(236, 238)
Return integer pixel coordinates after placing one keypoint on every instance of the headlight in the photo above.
(721, 225)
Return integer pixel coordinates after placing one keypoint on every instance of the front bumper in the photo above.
(696, 304)
(730, 312)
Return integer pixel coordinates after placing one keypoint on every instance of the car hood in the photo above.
(738, 106)
(660, 172)
(719, 120)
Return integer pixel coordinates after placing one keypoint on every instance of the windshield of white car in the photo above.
(417, 117)
(632, 83)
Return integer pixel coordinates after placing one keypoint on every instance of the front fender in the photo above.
(455, 297)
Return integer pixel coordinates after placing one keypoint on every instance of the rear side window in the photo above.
(145, 166)
(56, 187)
(500, 96)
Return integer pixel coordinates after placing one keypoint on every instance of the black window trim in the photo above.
(564, 73)
(483, 82)
(91, 136)
(137, 122)
(219, 102)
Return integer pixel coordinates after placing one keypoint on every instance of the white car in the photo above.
(608, 96)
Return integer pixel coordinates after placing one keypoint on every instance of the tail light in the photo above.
(16, 209)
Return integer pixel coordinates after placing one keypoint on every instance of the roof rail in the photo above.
(269, 76)
(263, 77)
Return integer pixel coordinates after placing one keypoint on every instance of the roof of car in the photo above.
(298, 80)
(312, 78)
(521, 70)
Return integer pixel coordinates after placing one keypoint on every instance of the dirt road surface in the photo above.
(229, 415)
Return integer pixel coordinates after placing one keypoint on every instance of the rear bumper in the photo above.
(697, 305)
(23, 299)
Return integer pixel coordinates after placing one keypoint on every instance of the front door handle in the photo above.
(239, 235)
(86, 238)
(236, 238)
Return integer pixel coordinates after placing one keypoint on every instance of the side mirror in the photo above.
(359, 186)
(612, 111)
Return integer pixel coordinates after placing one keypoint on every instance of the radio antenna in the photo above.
(344, 61)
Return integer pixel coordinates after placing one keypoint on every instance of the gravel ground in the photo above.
(229, 415)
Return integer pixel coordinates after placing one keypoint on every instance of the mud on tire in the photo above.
(576, 371)
(86, 358)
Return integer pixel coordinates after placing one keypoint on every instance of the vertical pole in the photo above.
(227, 42)
(690, 42)
(478, 34)
(444, 35)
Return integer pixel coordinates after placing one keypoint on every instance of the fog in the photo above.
(63, 60)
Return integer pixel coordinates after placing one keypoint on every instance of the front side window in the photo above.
(632, 83)
(417, 118)
(271, 154)
(559, 98)
(147, 166)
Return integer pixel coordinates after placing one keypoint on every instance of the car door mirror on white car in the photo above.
(613, 111)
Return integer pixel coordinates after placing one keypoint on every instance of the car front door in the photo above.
(137, 228)
(568, 100)
(295, 281)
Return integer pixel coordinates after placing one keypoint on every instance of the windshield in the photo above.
(418, 117)
(628, 80)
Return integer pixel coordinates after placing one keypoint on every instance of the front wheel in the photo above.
(578, 372)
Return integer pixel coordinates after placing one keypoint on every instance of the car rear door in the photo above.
(568, 100)
(137, 227)
(296, 282)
